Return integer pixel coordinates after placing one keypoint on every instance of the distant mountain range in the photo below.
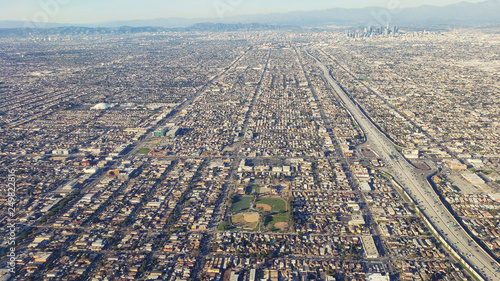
(84, 30)
(463, 13)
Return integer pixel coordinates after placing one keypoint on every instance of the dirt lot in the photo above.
(246, 220)
(281, 225)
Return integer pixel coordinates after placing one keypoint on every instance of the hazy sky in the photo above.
(91, 11)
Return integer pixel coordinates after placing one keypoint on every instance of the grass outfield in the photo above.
(271, 220)
(277, 205)
(241, 203)
(280, 218)
(144, 150)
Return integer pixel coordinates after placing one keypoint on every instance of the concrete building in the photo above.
(371, 251)
(377, 277)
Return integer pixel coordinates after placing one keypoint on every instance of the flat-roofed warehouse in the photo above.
(369, 247)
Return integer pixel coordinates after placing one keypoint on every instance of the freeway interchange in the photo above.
(414, 182)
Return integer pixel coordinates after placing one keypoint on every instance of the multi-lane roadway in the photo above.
(415, 184)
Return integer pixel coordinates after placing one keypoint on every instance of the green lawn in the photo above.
(241, 203)
(270, 220)
(283, 217)
(144, 150)
(277, 205)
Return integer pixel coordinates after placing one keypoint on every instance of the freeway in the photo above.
(415, 184)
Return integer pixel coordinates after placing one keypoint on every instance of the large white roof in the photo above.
(101, 105)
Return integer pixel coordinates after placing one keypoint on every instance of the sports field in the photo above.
(276, 204)
(278, 221)
(246, 220)
(144, 150)
(241, 203)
